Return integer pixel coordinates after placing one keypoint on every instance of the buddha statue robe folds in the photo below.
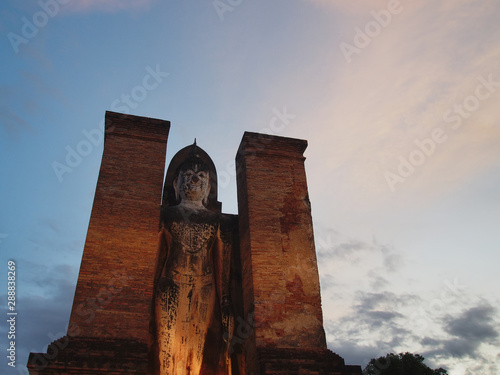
(192, 308)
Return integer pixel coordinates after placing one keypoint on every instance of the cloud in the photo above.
(349, 264)
(108, 6)
(396, 91)
(386, 302)
(327, 282)
(332, 247)
(378, 282)
(474, 323)
(380, 323)
(19, 105)
(471, 336)
(371, 308)
(11, 119)
(43, 317)
(374, 317)
(347, 249)
(352, 7)
(12, 122)
(48, 234)
(474, 327)
(330, 243)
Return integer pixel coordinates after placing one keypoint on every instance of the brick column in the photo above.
(115, 282)
(280, 278)
(279, 268)
(111, 306)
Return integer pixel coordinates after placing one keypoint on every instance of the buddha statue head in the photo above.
(191, 178)
(192, 181)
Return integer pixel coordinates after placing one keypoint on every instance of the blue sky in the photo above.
(397, 99)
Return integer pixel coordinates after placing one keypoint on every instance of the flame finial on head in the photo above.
(193, 153)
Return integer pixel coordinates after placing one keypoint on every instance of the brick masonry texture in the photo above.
(90, 356)
(277, 245)
(279, 268)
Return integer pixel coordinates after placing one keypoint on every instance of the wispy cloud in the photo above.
(44, 315)
(351, 7)
(11, 119)
(397, 90)
(109, 6)
(334, 247)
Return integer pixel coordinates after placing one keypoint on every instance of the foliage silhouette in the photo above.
(400, 364)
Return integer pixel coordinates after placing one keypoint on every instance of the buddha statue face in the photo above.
(192, 184)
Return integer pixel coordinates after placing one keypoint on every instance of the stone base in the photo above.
(303, 362)
(89, 356)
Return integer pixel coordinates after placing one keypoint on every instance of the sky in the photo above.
(398, 101)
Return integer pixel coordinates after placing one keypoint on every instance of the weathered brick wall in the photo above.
(303, 362)
(280, 274)
(280, 280)
(90, 356)
(114, 289)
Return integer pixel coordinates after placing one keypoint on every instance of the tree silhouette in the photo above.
(400, 364)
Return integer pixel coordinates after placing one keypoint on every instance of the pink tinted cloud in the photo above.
(396, 91)
(359, 8)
